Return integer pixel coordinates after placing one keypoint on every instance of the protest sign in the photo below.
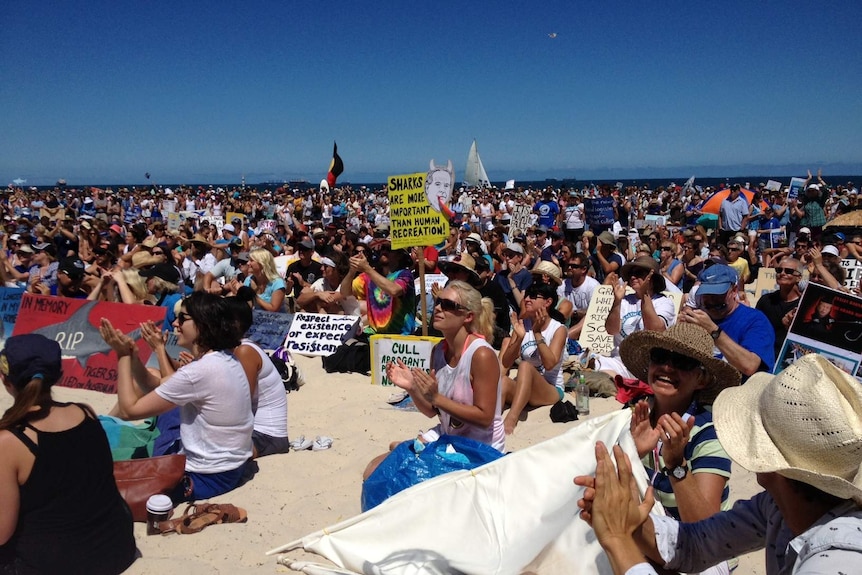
(764, 284)
(319, 334)
(269, 328)
(412, 220)
(599, 211)
(231, 216)
(169, 206)
(267, 226)
(174, 221)
(10, 300)
(654, 220)
(594, 336)
(414, 351)
(796, 185)
(217, 221)
(853, 269)
(430, 280)
(773, 186)
(88, 362)
(520, 220)
(53, 214)
(828, 322)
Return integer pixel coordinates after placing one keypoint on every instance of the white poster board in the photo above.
(430, 280)
(773, 186)
(853, 269)
(319, 334)
(414, 351)
(520, 220)
(594, 335)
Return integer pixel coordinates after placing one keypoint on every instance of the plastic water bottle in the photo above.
(582, 393)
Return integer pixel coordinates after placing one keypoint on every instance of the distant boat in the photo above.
(476, 175)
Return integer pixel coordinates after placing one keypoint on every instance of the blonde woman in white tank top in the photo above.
(464, 386)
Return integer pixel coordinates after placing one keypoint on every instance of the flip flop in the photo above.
(301, 444)
(321, 442)
(397, 397)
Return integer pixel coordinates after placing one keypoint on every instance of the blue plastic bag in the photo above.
(404, 467)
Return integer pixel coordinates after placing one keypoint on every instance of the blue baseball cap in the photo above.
(716, 280)
(31, 356)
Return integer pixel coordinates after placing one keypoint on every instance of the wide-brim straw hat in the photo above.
(687, 339)
(549, 269)
(804, 424)
(199, 239)
(648, 263)
(142, 260)
(463, 262)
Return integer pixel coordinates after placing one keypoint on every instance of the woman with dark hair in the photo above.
(212, 391)
(268, 397)
(538, 339)
(61, 511)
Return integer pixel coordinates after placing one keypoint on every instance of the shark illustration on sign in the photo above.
(78, 338)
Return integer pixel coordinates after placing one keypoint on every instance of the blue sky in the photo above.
(102, 92)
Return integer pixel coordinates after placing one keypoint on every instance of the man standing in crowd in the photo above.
(743, 336)
(733, 215)
(547, 209)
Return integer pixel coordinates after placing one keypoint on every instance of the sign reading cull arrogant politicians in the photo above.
(412, 219)
(88, 362)
(414, 351)
(319, 334)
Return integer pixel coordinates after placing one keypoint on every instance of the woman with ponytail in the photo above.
(60, 510)
(464, 385)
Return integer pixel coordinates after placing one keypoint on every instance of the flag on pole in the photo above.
(336, 166)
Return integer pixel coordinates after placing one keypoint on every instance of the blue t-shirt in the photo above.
(751, 329)
(271, 288)
(547, 212)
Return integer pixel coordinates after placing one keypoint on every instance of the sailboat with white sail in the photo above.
(475, 174)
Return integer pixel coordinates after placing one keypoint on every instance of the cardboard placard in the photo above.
(269, 328)
(231, 216)
(796, 185)
(773, 186)
(764, 284)
(414, 351)
(827, 322)
(88, 362)
(594, 335)
(655, 220)
(599, 211)
(10, 301)
(53, 214)
(319, 334)
(174, 221)
(853, 269)
(520, 220)
(412, 220)
(430, 280)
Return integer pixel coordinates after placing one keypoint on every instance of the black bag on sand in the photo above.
(563, 412)
(353, 356)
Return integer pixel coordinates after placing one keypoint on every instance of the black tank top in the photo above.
(72, 518)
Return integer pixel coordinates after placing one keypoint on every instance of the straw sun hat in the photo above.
(549, 269)
(463, 262)
(684, 338)
(804, 424)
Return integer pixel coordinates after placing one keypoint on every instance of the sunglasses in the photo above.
(666, 249)
(158, 253)
(787, 271)
(661, 356)
(533, 294)
(576, 266)
(448, 305)
(734, 249)
(715, 306)
(183, 317)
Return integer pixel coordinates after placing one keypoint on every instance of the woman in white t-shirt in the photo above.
(268, 396)
(539, 341)
(212, 392)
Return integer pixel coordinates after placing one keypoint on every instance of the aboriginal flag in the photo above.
(336, 166)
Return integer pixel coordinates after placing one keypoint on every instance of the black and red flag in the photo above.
(336, 166)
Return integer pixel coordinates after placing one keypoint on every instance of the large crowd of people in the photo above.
(510, 312)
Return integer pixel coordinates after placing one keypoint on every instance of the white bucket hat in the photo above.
(804, 424)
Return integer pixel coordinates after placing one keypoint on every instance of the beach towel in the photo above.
(515, 515)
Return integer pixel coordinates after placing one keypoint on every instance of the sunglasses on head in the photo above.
(661, 356)
(448, 305)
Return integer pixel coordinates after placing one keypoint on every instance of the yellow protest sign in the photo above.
(412, 220)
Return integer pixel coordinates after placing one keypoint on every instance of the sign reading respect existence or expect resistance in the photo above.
(414, 351)
(412, 221)
(319, 334)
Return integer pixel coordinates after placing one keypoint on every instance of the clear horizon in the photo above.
(106, 92)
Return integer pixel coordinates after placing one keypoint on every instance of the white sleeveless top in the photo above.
(454, 383)
(530, 353)
(270, 400)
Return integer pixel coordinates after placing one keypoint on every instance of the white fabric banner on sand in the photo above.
(518, 514)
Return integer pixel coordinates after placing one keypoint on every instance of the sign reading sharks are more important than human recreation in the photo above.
(88, 362)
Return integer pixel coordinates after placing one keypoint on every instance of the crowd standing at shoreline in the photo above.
(328, 251)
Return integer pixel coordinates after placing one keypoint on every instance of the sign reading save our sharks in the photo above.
(88, 362)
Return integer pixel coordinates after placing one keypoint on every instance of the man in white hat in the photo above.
(801, 433)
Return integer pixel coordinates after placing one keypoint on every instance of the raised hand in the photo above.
(151, 334)
(617, 510)
(644, 434)
(400, 375)
(119, 342)
(518, 329)
(426, 384)
(675, 435)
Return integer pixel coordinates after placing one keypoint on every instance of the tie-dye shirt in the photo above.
(385, 313)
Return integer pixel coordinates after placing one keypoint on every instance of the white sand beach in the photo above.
(301, 492)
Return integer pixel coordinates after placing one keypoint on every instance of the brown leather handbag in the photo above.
(138, 479)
